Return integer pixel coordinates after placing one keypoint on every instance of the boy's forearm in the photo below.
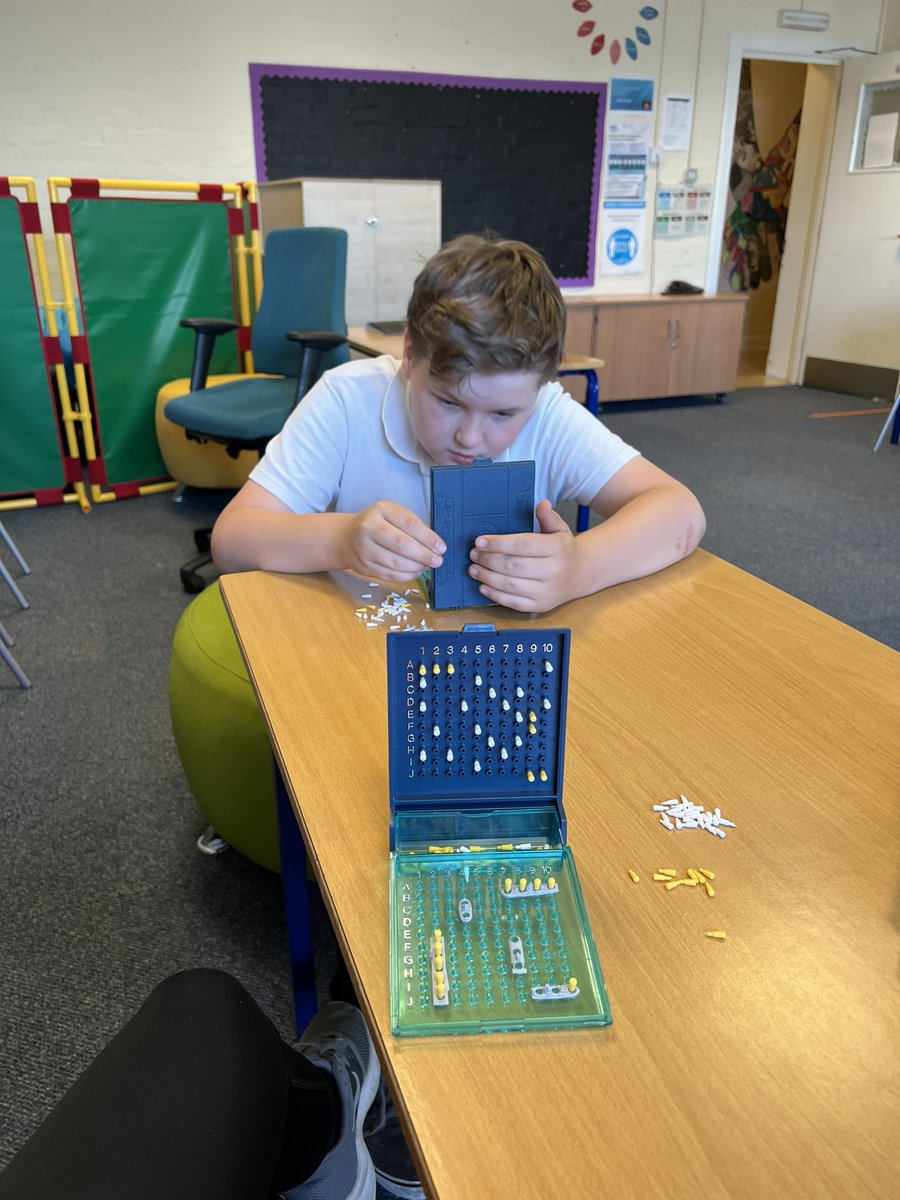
(246, 539)
(652, 531)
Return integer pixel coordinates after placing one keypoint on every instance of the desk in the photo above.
(761, 1066)
(368, 341)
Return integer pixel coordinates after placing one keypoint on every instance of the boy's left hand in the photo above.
(531, 572)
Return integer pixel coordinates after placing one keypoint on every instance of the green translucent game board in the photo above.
(489, 931)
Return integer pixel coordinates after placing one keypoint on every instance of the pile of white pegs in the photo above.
(683, 814)
(394, 610)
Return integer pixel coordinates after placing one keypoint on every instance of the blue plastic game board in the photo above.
(486, 497)
(489, 931)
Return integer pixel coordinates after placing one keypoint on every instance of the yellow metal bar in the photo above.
(80, 412)
(255, 251)
(240, 273)
(50, 306)
(55, 182)
(99, 496)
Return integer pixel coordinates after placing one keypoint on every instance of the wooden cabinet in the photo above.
(656, 346)
(393, 226)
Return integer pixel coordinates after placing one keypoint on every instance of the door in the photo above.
(348, 204)
(634, 340)
(408, 232)
(854, 312)
(706, 346)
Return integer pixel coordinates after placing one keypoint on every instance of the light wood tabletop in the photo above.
(370, 341)
(764, 1065)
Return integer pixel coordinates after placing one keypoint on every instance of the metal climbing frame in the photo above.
(135, 256)
(39, 453)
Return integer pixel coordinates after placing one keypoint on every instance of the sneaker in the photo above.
(337, 1040)
(394, 1170)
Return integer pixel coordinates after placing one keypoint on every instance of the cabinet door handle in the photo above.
(373, 222)
(678, 327)
(669, 333)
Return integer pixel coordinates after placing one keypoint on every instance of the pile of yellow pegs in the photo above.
(694, 877)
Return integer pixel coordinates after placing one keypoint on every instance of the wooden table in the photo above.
(761, 1066)
(369, 341)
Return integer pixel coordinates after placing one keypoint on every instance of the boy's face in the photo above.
(480, 416)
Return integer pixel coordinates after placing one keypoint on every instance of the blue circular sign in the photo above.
(621, 247)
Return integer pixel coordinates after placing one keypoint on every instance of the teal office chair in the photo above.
(299, 332)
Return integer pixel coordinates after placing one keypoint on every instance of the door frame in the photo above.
(750, 46)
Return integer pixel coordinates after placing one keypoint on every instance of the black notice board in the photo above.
(518, 157)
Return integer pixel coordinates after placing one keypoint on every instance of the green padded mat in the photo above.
(30, 453)
(143, 265)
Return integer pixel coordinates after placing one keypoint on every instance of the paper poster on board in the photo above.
(625, 169)
(677, 118)
(622, 233)
(631, 95)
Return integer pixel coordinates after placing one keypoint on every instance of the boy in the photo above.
(345, 485)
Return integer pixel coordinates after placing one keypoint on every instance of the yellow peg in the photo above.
(543, 776)
(551, 883)
(523, 885)
(422, 670)
(506, 846)
(532, 728)
(708, 874)
(635, 878)
(529, 775)
(451, 670)
(719, 934)
(670, 871)
(710, 890)
(536, 883)
(439, 962)
(507, 885)
(435, 668)
(573, 984)
(532, 716)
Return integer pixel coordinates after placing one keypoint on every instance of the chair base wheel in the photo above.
(191, 579)
(210, 843)
(192, 583)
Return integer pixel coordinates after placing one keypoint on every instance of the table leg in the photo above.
(892, 423)
(296, 903)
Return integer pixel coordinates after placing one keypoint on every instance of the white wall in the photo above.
(134, 90)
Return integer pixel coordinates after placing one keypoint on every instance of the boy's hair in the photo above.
(486, 305)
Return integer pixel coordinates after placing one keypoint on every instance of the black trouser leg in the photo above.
(194, 1099)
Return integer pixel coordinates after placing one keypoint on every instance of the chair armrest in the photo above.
(319, 339)
(314, 343)
(207, 330)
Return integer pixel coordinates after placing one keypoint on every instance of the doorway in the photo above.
(766, 134)
(777, 148)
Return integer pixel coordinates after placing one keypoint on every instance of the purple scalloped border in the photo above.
(258, 70)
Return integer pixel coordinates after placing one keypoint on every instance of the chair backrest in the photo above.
(304, 281)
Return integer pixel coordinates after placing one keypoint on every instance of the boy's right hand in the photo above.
(388, 542)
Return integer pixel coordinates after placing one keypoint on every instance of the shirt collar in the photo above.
(397, 423)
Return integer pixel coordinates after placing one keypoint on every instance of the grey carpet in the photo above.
(102, 892)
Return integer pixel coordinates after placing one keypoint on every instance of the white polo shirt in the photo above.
(350, 442)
